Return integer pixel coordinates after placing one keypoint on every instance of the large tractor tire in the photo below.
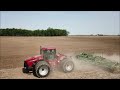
(42, 69)
(67, 65)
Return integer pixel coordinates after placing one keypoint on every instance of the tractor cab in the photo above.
(48, 53)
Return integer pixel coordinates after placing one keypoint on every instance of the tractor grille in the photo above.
(27, 67)
(25, 64)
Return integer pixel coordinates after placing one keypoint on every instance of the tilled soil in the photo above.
(14, 50)
(16, 73)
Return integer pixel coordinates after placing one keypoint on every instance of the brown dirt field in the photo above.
(14, 50)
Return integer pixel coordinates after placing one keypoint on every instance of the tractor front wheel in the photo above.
(42, 69)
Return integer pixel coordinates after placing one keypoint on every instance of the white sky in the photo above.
(76, 22)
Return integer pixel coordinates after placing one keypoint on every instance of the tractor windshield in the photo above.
(49, 54)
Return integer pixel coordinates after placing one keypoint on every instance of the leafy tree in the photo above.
(24, 32)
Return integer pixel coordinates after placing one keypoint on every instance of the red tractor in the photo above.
(42, 64)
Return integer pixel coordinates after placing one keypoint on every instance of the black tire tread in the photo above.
(64, 62)
(38, 64)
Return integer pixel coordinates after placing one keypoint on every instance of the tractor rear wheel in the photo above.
(42, 69)
(67, 65)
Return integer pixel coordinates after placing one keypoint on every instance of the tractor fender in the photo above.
(62, 57)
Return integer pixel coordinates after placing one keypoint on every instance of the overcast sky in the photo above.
(76, 22)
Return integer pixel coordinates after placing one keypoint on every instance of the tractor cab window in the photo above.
(50, 54)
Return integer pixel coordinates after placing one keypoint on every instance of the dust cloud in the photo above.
(112, 57)
(80, 65)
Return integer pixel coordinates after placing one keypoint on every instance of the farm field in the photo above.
(14, 50)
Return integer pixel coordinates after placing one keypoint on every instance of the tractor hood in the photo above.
(34, 58)
(29, 62)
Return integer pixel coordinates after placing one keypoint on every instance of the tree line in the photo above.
(24, 32)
